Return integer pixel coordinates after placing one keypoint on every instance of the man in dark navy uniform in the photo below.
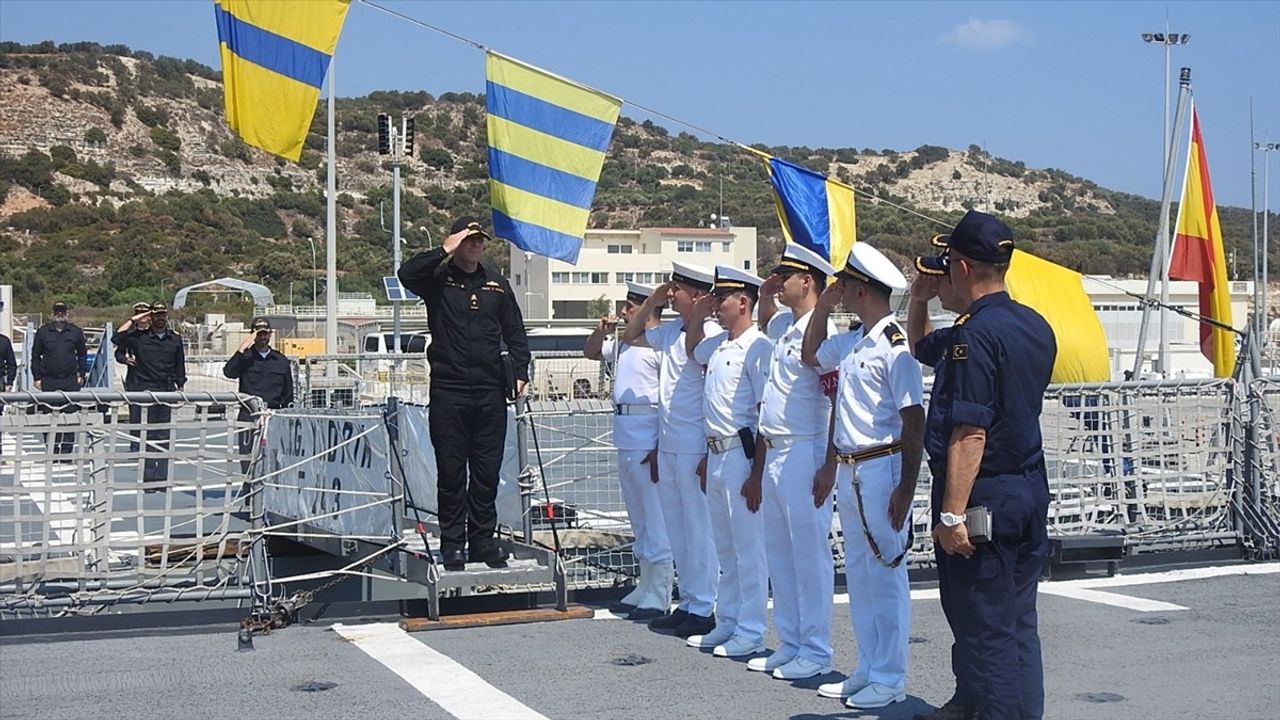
(139, 323)
(160, 366)
(262, 371)
(473, 314)
(8, 361)
(60, 361)
(984, 445)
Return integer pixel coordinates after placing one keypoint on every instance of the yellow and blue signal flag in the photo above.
(814, 210)
(274, 57)
(547, 142)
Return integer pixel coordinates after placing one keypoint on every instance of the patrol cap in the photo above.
(730, 279)
(869, 265)
(261, 323)
(798, 258)
(59, 307)
(980, 236)
(692, 275)
(159, 308)
(637, 292)
(470, 222)
(141, 307)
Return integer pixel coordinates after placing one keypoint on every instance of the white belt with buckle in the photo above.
(778, 442)
(635, 409)
(719, 445)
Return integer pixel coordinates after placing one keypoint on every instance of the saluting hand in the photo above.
(772, 285)
(702, 307)
(924, 288)
(832, 295)
(452, 242)
(608, 323)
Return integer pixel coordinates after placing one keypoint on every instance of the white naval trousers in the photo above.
(644, 508)
(684, 511)
(798, 547)
(879, 597)
(742, 598)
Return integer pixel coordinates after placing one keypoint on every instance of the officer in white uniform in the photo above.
(737, 363)
(682, 449)
(794, 422)
(635, 435)
(878, 439)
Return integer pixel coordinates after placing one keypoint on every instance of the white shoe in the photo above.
(842, 690)
(738, 647)
(801, 668)
(715, 638)
(772, 662)
(875, 696)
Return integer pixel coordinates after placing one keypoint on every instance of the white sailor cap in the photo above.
(869, 265)
(690, 274)
(730, 279)
(798, 258)
(637, 292)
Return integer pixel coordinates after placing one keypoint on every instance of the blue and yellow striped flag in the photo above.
(814, 210)
(274, 57)
(547, 141)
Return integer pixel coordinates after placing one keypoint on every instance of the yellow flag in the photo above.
(1057, 293)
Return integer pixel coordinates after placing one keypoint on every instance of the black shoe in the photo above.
(953, 709)
(453, 559)
(645, 614)
(667, 623)
(621, 608)
(491, 554)
(695, 625)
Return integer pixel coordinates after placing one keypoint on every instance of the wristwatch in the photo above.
(952, 520)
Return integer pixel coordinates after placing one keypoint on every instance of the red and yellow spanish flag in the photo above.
(1198, 255)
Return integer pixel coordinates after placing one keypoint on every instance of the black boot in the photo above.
(489, 553)
(695, 625)
(667, 623)
(953, 709)
(453, 559)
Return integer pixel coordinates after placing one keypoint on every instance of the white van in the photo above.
(560, 372)
(381, 343)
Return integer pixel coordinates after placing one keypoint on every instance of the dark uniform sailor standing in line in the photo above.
(8, 361)
(262, 371)
(160, 366)
(59, 361)
(984, 445)
(472, 314)
(136, 325)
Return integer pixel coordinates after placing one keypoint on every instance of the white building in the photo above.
(553, 289)
(1121, 317)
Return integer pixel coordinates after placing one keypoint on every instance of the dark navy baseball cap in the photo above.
(468, 222)
(978, 236)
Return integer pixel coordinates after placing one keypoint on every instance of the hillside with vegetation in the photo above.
(118, 176)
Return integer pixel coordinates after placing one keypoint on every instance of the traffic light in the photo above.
(384, 134)
(408, 137)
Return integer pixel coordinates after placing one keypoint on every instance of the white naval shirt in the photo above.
(794, 403)
(737, 371)
(877, 380)
(680, 386)
(635, 382)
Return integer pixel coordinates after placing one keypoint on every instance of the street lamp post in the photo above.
(312, 242)
(1168, 40)
(1266, 148)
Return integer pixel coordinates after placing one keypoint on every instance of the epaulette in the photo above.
(895, 334)
(962, 319)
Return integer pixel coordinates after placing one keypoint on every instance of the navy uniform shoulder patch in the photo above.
(895, 335)
(960, 351)
(493, 286)
(962, 319)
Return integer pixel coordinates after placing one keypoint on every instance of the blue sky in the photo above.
(1055, 84)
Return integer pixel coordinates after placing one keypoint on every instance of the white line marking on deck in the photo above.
(1097, 596)
(442, 680)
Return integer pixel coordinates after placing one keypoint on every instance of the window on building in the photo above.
(684, 246)
(626, 277)
(559, 278)
(518, 278)
(725, 246)
(599, 278)
(619, 249)
(702, 246)
(746, 264)
(581, 278)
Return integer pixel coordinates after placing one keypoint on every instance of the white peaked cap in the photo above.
(870, 265)
(799, 257)
(731, 278)
(639, 289)
(691, 274)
